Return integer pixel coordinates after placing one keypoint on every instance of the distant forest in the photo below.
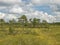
(24, 22)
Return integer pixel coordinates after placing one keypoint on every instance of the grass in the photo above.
(30, 36)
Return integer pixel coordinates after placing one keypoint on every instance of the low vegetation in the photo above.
(29, 33)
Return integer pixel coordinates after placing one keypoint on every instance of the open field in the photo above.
(30, 36)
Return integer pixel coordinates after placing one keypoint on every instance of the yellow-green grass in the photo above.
(31, 36)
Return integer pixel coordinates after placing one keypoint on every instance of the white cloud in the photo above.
(49, 18)
(42, 2)
(7, 17)
(17, 6)
(56, 1)
(10, 17)
(39, 2)
(10, 1)
(2, 7)
(2, 15)
(34, 14)
(54, 4)
(41, 15)
(16, 9)
(53, 7)
(57, 16)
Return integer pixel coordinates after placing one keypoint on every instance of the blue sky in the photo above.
(48, 10)
(43, 8)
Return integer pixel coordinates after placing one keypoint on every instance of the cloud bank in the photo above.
(12, 9)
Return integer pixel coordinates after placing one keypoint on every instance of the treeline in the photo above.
(24, 22)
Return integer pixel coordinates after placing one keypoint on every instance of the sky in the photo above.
(48, 10)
